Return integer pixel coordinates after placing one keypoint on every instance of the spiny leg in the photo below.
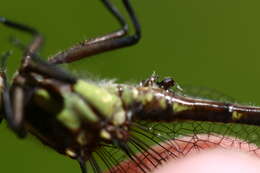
(37, 41)
(117, 34)
(104, 43)
(31, 62)
(14, 107)
(13, 111)
(64, 57)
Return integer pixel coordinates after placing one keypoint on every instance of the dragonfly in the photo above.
(100, 125)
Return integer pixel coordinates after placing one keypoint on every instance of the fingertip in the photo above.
(214, 161)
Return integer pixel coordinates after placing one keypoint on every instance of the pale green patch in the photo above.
(146, 98)
(129, 95)
(80, 107)
(180, 107)
(236, 115)
(75, 110)
(43, 93)
(162, 103)
(105, 135)
(68, 118)
(106, 103)
(119, 117)
(111, 89)
(149, 97)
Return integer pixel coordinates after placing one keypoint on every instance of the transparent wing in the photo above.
(152, 144)
(204, 93)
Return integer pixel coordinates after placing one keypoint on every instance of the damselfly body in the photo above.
(102, 124)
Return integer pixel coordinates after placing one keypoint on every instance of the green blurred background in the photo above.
(211, 43)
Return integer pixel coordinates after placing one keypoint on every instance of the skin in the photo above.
(231, 157)
(214, 161)
(207, 153)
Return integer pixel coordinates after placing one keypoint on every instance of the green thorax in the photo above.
(85, 101)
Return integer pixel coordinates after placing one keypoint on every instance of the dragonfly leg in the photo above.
(104, 43)
(35, 44)
(12, 108)
(37, 65)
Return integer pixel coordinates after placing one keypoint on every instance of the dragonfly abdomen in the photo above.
(156, 104)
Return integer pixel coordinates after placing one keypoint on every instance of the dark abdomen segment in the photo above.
(160, 105)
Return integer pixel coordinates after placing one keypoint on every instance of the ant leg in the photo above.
(104, 43)
(36, 43)
(153, 81)
(13, 114)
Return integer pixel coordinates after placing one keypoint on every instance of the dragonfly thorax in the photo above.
(75, 119)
